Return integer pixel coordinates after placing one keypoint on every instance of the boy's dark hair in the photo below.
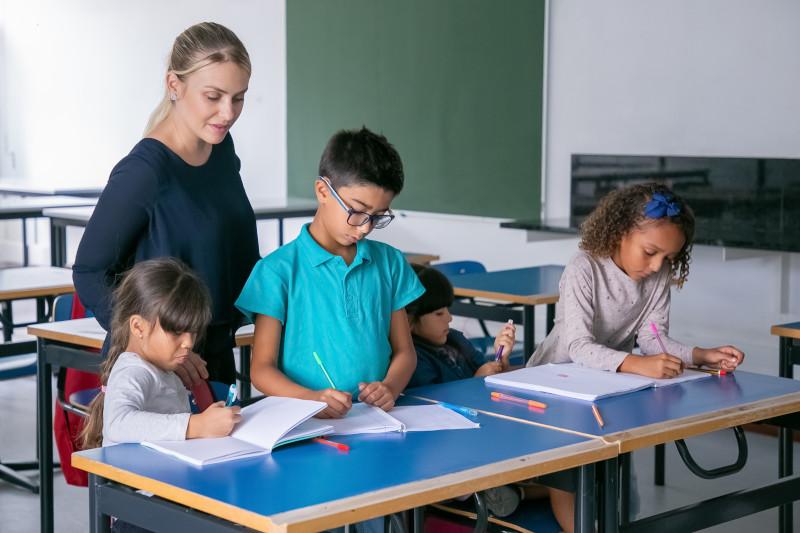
(438, 292)
(361, 157)
(622, 210)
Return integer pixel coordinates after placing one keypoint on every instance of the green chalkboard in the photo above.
(455, 85)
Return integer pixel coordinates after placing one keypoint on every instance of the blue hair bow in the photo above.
(662, 204)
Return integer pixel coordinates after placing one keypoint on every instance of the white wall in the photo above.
(80, 78)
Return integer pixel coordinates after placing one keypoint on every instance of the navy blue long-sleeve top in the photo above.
(154, 205)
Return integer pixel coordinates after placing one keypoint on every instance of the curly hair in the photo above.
(622, 210)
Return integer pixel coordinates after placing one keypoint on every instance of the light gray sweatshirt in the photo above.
(601, 311)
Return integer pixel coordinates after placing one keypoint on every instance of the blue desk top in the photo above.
(520, 282)
(293, 478)
(738, 391)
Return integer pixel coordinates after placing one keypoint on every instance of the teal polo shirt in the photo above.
(341, 312)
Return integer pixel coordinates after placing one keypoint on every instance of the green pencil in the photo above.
(316, 357)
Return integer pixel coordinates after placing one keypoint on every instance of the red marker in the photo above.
(532, 403)
(331, 443)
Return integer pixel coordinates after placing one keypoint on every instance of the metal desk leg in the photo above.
(58, 245)
(527, 330)
(585, 499)
(785, 445)
(419, 520)
(551, 317)
(659, 464)
(44, 417)
(244, 371)
(24, 242)
(98, 522)
(609, 510)
(7, 319)
(280, 232)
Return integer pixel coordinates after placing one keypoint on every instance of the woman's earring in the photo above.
(173, 96)
(140, 335)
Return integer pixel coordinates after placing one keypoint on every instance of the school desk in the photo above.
(16, 208)
(309, 487)
(264, 209)
(419, 258)
(20, 187)
(40, 283)
(63, 344)
(526, 287)
(647, 418)
(788, 356)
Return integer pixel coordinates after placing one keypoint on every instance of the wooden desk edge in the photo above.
(373, 504)
(71, 338)
(181, 496)
(663, 432)
(783, 331)
(34, 293)
(521, 299)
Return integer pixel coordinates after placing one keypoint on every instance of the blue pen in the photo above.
(466, 411)
(231, 395)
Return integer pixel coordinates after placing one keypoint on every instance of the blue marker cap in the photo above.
(231, 395)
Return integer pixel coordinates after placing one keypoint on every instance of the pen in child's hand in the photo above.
(231, 395)
(319, 362)
(658, 337)
(500, 350)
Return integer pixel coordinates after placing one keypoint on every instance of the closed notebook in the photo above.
(365, 418)
(265, 425)
(576, 381)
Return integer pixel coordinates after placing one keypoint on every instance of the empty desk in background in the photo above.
(648, 417)
(293, 489)
(15, 208)
(19, 187)
(263, 208)
(525, 287)
(40, 283)
(788, 356)
(64, 343)
(419, 258)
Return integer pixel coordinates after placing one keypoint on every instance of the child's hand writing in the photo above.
(506, 339)
(193, 370)
(216, 421)
(377, 394)
(493, 367)
(659, 366)
(723, 358)
(339, 402)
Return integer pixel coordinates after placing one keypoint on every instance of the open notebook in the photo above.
(576, 381)
(364, 418)
(265, 425)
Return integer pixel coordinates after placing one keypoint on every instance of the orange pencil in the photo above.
(597, 415)
(331, 443)
(532, 403)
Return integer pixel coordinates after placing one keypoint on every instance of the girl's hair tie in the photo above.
(662, 204)
(103, 388)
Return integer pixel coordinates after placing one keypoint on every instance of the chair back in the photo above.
(455, 268)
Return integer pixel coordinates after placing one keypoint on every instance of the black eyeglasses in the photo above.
(358, 218)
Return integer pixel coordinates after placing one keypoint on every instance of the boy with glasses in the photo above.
(334, 300)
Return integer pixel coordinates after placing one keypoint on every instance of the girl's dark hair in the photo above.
(163, 291)
(623, 210)
(438, 292)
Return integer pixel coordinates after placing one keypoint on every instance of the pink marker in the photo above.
(658, 337)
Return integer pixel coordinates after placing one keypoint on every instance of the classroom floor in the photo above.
(19, 509)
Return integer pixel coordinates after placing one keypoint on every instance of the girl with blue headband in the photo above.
(635, 244)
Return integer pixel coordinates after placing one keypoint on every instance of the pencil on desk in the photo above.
(708, 371)
(597, 415)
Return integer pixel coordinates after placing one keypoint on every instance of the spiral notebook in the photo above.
(265, 425)
(576, 381)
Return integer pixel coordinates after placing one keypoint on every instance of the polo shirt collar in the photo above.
(318, 255)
